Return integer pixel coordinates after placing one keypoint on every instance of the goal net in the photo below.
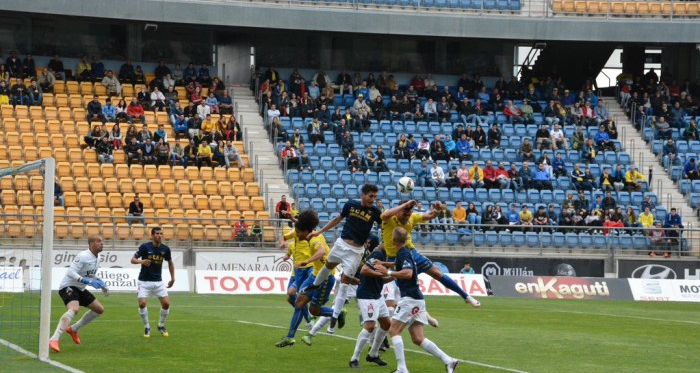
(26, 241)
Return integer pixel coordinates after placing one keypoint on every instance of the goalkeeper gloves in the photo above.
(94, 282)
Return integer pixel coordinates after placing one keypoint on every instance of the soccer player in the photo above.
(151, 256)
(403, 216)
(303, 267)
(348, 249)
(74, 294)
(411, 310)
(372, 308)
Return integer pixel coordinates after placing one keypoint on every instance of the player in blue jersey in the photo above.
(410, 311)
(372, 307)
(150, 256)
(348, 249)
(403, 216)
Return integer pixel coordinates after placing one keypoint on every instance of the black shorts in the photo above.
(72, 293)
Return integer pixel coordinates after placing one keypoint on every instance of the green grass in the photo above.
(533, 336)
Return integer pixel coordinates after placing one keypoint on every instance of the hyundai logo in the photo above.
(654, 271)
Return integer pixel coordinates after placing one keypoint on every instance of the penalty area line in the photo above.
(471, 362)
(34, 356)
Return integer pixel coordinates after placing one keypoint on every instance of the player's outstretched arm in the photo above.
(395, 210)
(330, 225)
(171, 268)
(318, 255)
(433, 212)
(404, 274)
(374, 269)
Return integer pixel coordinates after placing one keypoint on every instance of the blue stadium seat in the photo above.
(303, 204)
(334, 150)
(626, 241)
(521, 196)
(403, 166)
(390, 192)
(425, 238)
(358, 178)
(326, 163)
(479, 239)
(422, 128)
(492, 238)
(345, 177)
(558, 239)
(430, 194)
(317, 204)
(438, 238)
(331, 204)
(585, 240)
(514, 5)
(505, 239)
(518, 239)
(366, 138)
(546, 196)
(338, 191)
(331, 177)
(390, 140)
(410, 126)
(482, 195)
(378, 139)
(417, 194)
(508, 196)
(339, 163)
(352, 191)
(385, 178)
(532, 239)
(293, 176)
(443, 194)
(533, 196)
(599, 241)
(572, 240)
(469, 195)
(452, 238)
(494, 195)
(545, 239)
(385, 126)
(328, 137)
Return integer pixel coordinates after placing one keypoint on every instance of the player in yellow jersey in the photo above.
(305, 224)
(292, 285)
(404, 217)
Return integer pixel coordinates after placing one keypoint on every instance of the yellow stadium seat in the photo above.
(201, 202)
(126, 186)
(119, 157)
(216, 202)
(140, 186)
(24, 198)
(269, 234)
(150, 215)
(163, 215)
(123, 231)
(225, 188)
(177, 216)
(183, 187)
(206, 173)
(234, 216)
(187, 201)
(127, 198)
(114, 200)
(138, 231)
(73, 214)
(121, 171)
(86, 88)
(100, 199)
(97, 185)
(155, 186)
(40, 127)
(630, 7)
(75, 101)
(77, 230)
(72, 87)
(38, 198)
(104, 215)
(243, 203)
(62, 230)
(107, 170)
(164, 173)
(119, 215)
(252, 189)
(183, 232)
(36, 183)
(693, 8)
(8, 197)
(162, 118)
(45, 152)
(7, 111)
(617, 8)
(21, 182)
(84, 199)
(127, 91)
(150, 171)
(111, 185)
(159, 201)
(679, 8)
(220, 174)
(173, 201)
(643, 8)
(211, 232)
(238, 188)
(101, 90)
(79, 170)
(57, 141)
(211, 188)
(168, 231)
(136, 171)
(89, 156)
(24, 126)
(246, 162)
(220, 217)
(31, 153)
(262, 216)
(192, 173)
(21, 112)
(179, 173)
(61, 100)
(50, 113)
(146, 199)
(225, 233)
(75, 156)
(230, 203)
(197, 232)
(26, 213)
(248, 215)
(168, 187)
(7, 183)
(42, 139)
(206, 217)
(258, 203)
(68, 184)
(234, 174)
(12, 138)
(108, 231)
(15, 153)
(248, 175)
(82, 184)
(197, 187)
(88, 213)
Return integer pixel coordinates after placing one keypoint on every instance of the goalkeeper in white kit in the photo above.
(74, 293)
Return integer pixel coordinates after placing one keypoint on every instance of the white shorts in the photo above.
(372, 309)
(152, 289)
(411, 310)
(391, 292)
(346, 255)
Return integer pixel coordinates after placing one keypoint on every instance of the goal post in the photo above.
(18, 316)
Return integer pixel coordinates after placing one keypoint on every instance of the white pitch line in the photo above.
(405, 349)
(630, 317)
(33, 356)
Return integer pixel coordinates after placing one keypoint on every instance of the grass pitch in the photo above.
(213, 333)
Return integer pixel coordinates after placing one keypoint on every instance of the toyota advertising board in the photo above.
(497, 266)
(659, 269)
(549, 287)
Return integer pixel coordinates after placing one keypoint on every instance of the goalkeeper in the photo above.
(74, 293)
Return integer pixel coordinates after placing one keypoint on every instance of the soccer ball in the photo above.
(406, 185)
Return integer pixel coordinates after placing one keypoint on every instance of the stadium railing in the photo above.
(452, 239)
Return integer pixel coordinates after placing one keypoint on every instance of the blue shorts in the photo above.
(300, 276)
(424, 264)
(292, 281)
(321, 295)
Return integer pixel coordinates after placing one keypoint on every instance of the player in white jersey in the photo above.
(74, 293)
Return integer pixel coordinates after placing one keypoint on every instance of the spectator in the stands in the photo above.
(450, 148)
(473, 216)
(578, 139)
(444, 110)
(452, 178)
(609, 202)
(28, 67)
(423, 151)
(476, 176)
(547, 162)
(488, 218)
(148, 152)
(480, 138)
(438, 150)
(669, 155)
(289, 156)
(135, 111)
(425, 176)
(588, 153)
(558, 138)
(648, 203)
(603, 141)
(401, 148)
(526, 176)
(111, 83)
(566, 218)
(490, 176)
(544, 138)
(84, 70)
(513, 113)
(463, 148)
(526, 151)
(673, 225)
(503, 179)
(412, 146)
(663, 129)
(494, 137)
(347, 143)
(551, 114)
(646, 219)
(204, 154)
(136, 211)
(109, 112)
(104, 151)
(633, 179)
(577, 178)
(541, 218)
(459, 214)
(177, 155)
(559, 166)
(203, 76)
(46, 81)
(526, 218)
(94, 110)
(542, 178)
(438, 175)
(344, 83)
(430, 110)
(55, 66)
(691, 131)
(582, 203)
(353, 161)
(162, 152)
